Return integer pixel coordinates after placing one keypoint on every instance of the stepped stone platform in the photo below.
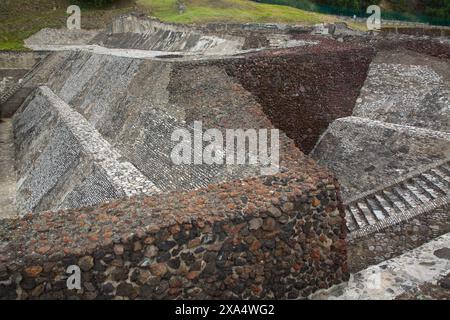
(97, 187)
(425, 189)
(365, 152)
(391, 157)
(134, 32)
(8, 176)
(395, 277)
(108, 197)
(48, 36)
(413, 95)
(63, 162)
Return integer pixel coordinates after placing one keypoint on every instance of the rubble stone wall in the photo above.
(397, 239)
(279, 236)
(303, 90)
(63, 162)
(364, 153)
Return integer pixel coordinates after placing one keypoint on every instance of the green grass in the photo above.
(17, 28)
(23, 18)
(202, 11)
(19, 19)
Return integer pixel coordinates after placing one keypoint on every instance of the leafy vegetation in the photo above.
(429, 11)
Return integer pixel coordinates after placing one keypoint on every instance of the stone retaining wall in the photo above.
(364, 153)
(278, 237)
(63, 162)
(20, 60)
(302, 90)
(139, 32)
(417, 31)
(397, 239)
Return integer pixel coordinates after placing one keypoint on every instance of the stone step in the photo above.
(385, 204)
(433, 194)
(358, 217)
(351, 221)
(435, 182)
(417, 191)
(441, 174)
(376, 208)
(368, 214)
(406, 196)
(395, 200)
(410, 193)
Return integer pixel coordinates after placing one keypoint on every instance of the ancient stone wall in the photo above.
(364, 153)
(432, 47)
(63, 162)
(279, 236)
(418, 31)
(107, 90)
(19, 60)
(302, 90)
(136, 32)
(412, 95)
(397, 239)
(14, 68)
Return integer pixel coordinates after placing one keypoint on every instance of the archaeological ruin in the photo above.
(88, 180)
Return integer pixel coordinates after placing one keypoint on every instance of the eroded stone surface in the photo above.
(8, 173)
(393, 277)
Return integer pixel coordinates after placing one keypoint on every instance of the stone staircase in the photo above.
(12, 91)
(418, 192)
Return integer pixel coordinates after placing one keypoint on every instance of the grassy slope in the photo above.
(201, 11)
(19, 19)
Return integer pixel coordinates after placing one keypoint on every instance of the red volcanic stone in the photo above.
(153, 228)
(315, 202)
(192, 275)
(33, 271)
(255, 245)
(250, 209)
(297, 266)
(43, 249)
(93, 237)
(288, 207)
(256, 290)
(158, 269)
(315, 254)
(194, 242)
(269, 224)
(340, 245)
(175, 229)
